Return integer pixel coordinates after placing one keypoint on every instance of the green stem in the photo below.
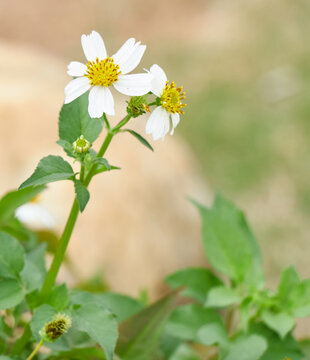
(82, 172)
(60, 253)
(121, 124)
(101, 152)
(37, 348)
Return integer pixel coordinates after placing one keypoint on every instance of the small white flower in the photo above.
(102, 71)
(167, 115)
(35, 216)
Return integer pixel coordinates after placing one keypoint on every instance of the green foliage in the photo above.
(184, 352)
(100, 324)
(197, 282)
(186, 321)
(221, 296)
(229, 243)
(75, 121)
(51, 168)
(13, 199)
(140, 335)
(140, 138)
(82, 194)
(11, 292)
(12, 256)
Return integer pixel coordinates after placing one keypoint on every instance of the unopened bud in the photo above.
(137, 106)
(81, 145)
(59, 325)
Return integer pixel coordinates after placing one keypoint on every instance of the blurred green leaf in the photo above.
(122, 306)
(185, 321)
(277, 348)
(74, 120)
(82, 194)
(11, 293)
(222, 296)
(58, 298)
(100, 324)
(213, 333)
(229, 243)
(197, 282)
(51, 168)
(79, 354)
(140, 335)
(289, 281)
(13, 199)
(249, 347)
(139, 137)
(12, 256)
(184, 352)
(280, 322)
(299, 299)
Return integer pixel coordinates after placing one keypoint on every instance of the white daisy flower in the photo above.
(102, 71)
(167, 115)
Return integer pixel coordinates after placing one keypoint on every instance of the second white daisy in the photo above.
(170, 100)
(102, 71)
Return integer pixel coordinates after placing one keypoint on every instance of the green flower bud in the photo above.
(81, 145)
(137, 106)
(59, 325)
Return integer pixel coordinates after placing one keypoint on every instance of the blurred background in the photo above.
(245, 66)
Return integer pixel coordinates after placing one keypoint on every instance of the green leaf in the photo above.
(140, 138)
(67, 146)
(122, 306)
(13, 199)
(51, 168)
(197, 282)
(185, 321)
(74, 121)
(41, 316)
(289, 282)
(299, 299)
(277, 348)
(222, 296)
(100, 324)
(280, 322)
(184, 352)
(11, 293)
(58, 298)
(249, 347)
(213, 333)
(229, 243)
(79, 354)
(12, 256)
(82, 194)
(305, 347)
(140, 335)
(104, 162)
(102, 168)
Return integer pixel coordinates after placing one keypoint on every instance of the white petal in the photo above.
(159, 80)
(134, 58)
(76, 88)
(76, 68)
(134, 84)
(175, 120)
(158, 123)
(100, 101)
(124, 52)
(93, 46)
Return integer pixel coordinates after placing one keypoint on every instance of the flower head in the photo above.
(81, 145)
(58, 326)
(102, 71)
(170, 100)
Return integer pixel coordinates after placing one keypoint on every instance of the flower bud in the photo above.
(58, 326)
(81, 145)
(137, 106)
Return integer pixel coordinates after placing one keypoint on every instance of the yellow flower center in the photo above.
(102, 72)
(172, 97)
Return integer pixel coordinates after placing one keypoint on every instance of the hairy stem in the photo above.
(60, 253)
(36, 349)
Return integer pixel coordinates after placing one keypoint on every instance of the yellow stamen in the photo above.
(172, 97)
(102, 72)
